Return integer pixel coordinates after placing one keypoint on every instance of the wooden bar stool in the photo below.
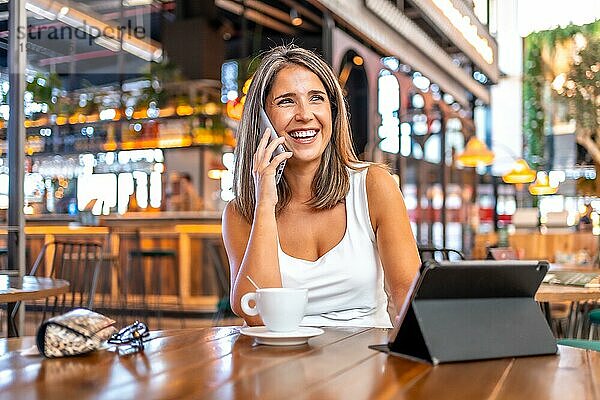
(157, 259)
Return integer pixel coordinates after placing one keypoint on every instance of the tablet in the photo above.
(472, 310)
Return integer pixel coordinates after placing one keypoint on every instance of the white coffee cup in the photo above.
(281, 309)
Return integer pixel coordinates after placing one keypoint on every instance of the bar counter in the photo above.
(186, 233)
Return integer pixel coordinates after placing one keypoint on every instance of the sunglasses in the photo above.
(132, 335)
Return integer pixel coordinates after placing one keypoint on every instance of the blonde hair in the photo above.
(331, 182)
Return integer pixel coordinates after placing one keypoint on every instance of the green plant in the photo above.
(581, 95)
(533, 114)
(41, 87)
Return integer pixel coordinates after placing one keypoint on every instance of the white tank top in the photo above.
(346, 284)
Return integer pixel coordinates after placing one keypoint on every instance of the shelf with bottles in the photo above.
(158, 110)
(167, 132)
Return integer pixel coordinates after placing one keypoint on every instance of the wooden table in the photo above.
(14, 289)
(557, 293)
(218, 363)
(575, 295)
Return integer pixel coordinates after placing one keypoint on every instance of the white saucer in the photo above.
(264, 336)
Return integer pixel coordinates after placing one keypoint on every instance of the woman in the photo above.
(332, 221)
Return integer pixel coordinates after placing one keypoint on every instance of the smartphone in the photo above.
(264, 124)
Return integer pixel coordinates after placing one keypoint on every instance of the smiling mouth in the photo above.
(303, 136)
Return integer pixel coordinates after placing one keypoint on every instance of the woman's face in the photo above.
(299, 109)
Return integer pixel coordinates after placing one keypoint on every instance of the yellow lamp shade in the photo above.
(541, 186)
(476, 153)
(520, 173)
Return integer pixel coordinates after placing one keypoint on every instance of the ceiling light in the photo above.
(77, 20)
(520, 173)
(541, 186)
(40, 11)
(295, 18)
(108, 43)
(476, 153)
(135, 3)
(145, 49)
(216, 169)
(137, 51)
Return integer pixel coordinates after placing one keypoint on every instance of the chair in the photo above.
(74, 261)
(594, 319)
(501, 253)
(157, 259)
(558, 222)
(439, 254)
(526, 219)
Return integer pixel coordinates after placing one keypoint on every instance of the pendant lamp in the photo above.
(476, 153)
(541, 186)
(520, 173)
(216, 170)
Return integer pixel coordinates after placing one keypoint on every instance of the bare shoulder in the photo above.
(384, 196)
(380, 183)
(236, 231)
(232, 220)
(230, 211)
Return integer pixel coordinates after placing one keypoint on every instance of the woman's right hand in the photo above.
(263, 169)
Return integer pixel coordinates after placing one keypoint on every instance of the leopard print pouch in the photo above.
(77, 332)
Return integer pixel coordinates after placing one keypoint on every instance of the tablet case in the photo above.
(473, 310)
